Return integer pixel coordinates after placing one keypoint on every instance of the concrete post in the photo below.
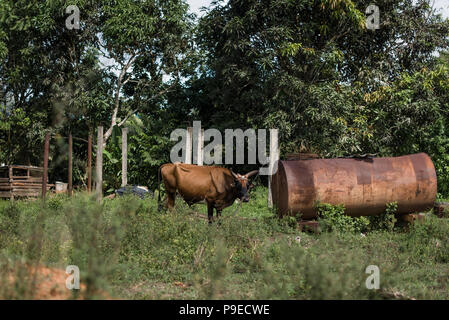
(274, 158)
(124, 157)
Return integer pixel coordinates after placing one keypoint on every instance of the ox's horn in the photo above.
(234, 175)
(250, 174)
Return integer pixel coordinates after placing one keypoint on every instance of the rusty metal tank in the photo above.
(363, 185)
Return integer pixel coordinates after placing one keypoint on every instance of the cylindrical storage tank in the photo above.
(363, 185)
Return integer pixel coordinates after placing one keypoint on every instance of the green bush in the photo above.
(126, 247)
(385, 221)
(333, 218)
(428, 241)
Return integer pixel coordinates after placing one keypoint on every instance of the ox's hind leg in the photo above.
(171, 196)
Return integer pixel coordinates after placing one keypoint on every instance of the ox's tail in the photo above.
(159, 172)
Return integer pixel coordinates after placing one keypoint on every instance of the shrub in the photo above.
(428, 241)
(333, 218)
(385, 221)
(126, 247)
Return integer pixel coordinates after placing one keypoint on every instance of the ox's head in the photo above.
(243, 185)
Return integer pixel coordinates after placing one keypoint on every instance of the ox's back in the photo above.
(219, 187)
(196, 183)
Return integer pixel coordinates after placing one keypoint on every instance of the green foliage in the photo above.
(309, 68)
(411, 115)
(69, 89)
(333, 218)
(427, 241)
(145, 148)
(126, 247)
(332, 88)
(385, 221)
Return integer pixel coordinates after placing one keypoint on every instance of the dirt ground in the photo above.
(43, 283)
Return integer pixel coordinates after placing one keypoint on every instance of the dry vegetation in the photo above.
(126, 249)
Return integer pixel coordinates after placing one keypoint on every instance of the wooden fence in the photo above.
(21, 181)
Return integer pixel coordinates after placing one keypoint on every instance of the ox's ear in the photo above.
(252, 173)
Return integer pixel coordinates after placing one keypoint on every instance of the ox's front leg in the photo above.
(219, 216)
(210, 212)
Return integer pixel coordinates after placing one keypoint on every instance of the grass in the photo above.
(125, 248)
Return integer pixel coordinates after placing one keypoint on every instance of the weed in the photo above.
(333, 218)
(125, 248)
(385, 221)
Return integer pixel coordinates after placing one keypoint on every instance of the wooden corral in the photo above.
(18, 181)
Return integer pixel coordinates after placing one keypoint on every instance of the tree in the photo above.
(304, 66)
(55, 78)
(148, 41)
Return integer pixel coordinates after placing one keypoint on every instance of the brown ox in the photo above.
(219, 187)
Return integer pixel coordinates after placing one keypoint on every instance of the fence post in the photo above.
(70, 186)
(89, 163)
(274, 158)
(124, 157)
(11, 183)
(45, 173)
(189, 134)
(99, 165)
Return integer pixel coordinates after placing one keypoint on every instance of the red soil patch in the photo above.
(44, 283)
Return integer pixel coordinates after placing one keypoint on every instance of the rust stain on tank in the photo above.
(363, 185)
